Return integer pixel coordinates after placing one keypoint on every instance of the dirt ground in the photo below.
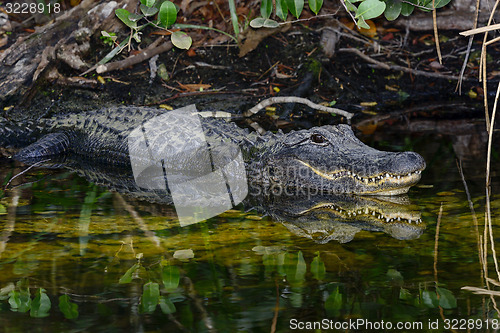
(399, 71)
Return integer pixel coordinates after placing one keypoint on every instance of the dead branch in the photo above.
(294, 99)
(149, 52)
(400, 68)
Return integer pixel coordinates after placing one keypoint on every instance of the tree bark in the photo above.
(65, 39)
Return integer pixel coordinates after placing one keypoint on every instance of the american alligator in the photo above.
(327, 158)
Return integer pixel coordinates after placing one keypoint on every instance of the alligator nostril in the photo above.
(414, 161)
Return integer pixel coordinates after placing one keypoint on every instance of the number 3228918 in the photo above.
(32, 8)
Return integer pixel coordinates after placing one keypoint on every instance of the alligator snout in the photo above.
(406, 162)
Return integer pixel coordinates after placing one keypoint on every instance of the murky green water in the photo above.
(75, 257)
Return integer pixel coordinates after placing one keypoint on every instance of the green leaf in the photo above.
(234, 17)
(127, 277)
(3, 210)
(430, 299)
(261, 22)
(318, 268)
(168, 14)
(295, 268)
(350, 6)
(148, 3)
(69, 309)
(362, 24)
(150, 297)
(148, 11)
(181, 40)
(170, 276)
(20, 300)
(202, 27)
(315, 5)
(446, 298)
(135, 17)
(395, 276)
(4, 292)
(295, 7)
(41, 304)
(123, 15)
(369, 9)
(166, 305)
(333, 304)
(266, 8)
(441, 3)
(113, 52)
(281, 9)
(407, 9)
(301, 267)
(393, 9)
(404, 294)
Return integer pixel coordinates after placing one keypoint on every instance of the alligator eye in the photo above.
(318, 138)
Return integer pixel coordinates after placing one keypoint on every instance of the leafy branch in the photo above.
(157, 13)
(365, 10)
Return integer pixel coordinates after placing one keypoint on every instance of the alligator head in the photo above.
(331, 159)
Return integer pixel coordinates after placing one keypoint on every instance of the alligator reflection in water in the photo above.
(339, 217)
(320, 217)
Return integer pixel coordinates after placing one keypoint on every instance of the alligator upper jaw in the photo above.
(377, 184)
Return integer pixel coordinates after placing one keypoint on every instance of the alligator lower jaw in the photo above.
(369, 212)
(396, 191)
(381, 184)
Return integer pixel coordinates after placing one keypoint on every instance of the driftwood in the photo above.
(66, 39)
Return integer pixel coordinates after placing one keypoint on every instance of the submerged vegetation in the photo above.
(76, 256)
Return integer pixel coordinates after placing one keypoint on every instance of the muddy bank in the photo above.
(393, 70)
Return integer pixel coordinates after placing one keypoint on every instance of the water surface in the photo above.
(75, 257)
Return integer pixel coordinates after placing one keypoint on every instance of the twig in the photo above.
(347, 10)
(365, 57)
(138, 219)
(481, 291)
(490, 136)
(24, 171)
(482, 67)
(313, 18)
(294, 99)
(400, 68)
(198, 93)
(151, 51)
(436, 242)
(491, 41)
(488, 164)
(418, 6)
(276, 308)
(467, 54)
(480, 30)
(8, 228)
(474, 218)
(255, 126)
(436, 34)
